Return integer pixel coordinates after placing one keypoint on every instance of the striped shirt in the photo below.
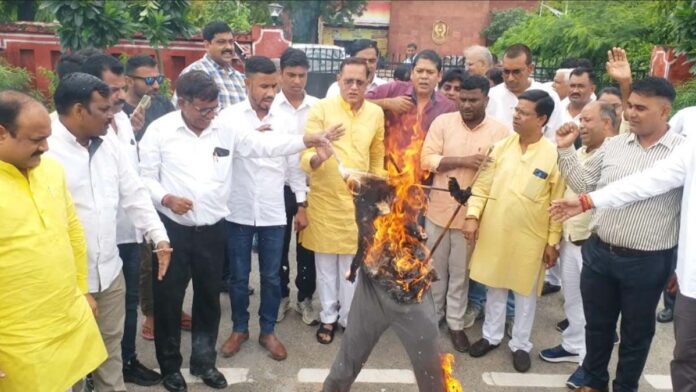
(229, 81)
(648, 225)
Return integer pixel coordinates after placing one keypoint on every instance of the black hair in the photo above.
(259, 64)
(361, 44)
(89, 52)
(429, 55)
(473, 82)
(96, 65)
(412, 45)
(454, 74)
(581, 71)
(69, 63)
(516, 50)
(495, 75)
(609, 90)
(196, 84)
(354, 61)
(293, 57)
(11, 104)
(78, 87)
(402, 72)
(141, 60)
(543, 102)
(213, 28)
(654, 87)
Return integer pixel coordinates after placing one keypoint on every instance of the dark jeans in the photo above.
(199, 253)
(306, 279)
(130, 254)
(628, 285)
(684, 362)
(239, 240)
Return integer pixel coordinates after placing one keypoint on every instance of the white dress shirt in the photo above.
(684, 122)
(567, 117)
(174, 160)
(335, 91)
(257, 197)
(100, 182)
(678, 169)
(126, 233)
(502, 103)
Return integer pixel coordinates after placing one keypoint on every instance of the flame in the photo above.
(398, 235)
(451, 383)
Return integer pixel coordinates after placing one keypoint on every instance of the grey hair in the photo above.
(479, 52)
(607, 111)
(565, 72)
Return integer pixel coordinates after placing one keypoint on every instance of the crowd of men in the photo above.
(137, 196)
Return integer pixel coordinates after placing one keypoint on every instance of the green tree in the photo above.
(239, 15)
(90, 23)
(305, 15)
(680, 28)
(501, 21)
(589, 30)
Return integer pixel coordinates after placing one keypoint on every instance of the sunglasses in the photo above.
(150, 80)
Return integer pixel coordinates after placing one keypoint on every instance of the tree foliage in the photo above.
(680, 27)
(589, 30)
(305, 15)
(239, 15)
(501, 21)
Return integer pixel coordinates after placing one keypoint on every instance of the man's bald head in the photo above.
(24, 128)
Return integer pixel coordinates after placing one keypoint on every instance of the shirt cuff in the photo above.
(432, 162)
(157, 236)
(472, 211)
(554, 238)
(300, 197)
(599, 198)
(566, 152)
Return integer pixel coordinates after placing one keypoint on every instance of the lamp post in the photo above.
(275, 9)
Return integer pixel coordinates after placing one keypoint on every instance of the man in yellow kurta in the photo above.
(332, 232)
(522, 180)
(49, 339)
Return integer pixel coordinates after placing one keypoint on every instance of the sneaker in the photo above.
(283, 308)
(577, 379)
(665, 315)
(558, 354)
(562, 325)
(306, 309)
(509, 325)
(136, 373)
(471, 315)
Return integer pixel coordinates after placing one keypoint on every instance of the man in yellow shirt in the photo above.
(332, 232)
(522, 180)
(49, 339)
(456, 146)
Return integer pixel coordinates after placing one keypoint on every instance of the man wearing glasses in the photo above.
(517, 69)
(143, 78)
(185, 161)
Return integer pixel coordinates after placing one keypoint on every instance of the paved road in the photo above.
(253, 370)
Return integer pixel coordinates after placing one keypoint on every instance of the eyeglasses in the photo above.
(150, 80)
(205, 112)
(357, 82)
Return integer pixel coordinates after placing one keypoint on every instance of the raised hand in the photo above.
(398, 105)
(566, 135)
(563, 209)
(617, 65)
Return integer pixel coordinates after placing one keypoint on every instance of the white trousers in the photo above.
(554, 275)
(335, 291)
(571, 267)
(451, 290)
(494, 322)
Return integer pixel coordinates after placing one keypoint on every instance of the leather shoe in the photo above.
(233, 343)
(481, 348)
(211, 377)
(275, 348)
(459, 340)
(174, 382)
(521, 361)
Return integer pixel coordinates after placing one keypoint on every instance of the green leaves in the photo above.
(501, 21)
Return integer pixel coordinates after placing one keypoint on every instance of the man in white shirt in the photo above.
(517, 68)
(185, 161)
(478, 60)
(560, 83)
(683, 122)
(111, 71)
(257, 207)
(364, 49)
(294, 101)
(101, 179)
(581, 88)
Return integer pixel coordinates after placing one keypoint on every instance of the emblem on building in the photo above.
(439, 34)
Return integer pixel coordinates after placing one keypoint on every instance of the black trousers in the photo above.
(613, 284)
(199, 254)
(306, 278)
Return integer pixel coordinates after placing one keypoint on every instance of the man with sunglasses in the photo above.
(143, 78)
(517, 70)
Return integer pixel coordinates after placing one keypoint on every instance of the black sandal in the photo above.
(326, 332)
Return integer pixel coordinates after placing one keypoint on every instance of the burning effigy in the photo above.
(392, 266)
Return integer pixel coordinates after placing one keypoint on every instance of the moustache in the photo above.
(227, 51)
(37, 154)
(120, 102)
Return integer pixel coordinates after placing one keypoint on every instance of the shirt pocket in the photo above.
(534, 184)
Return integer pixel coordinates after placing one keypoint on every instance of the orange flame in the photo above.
(451, 383)
(397, 232)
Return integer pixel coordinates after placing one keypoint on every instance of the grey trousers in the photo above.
(684, 363)
(371, 313)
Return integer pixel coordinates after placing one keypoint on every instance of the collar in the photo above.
(245, 106)
(214, 64)
(60, 131)
(346, 106)
(481, 124)
(180, 124)
(281, 99)
(669, 139)
(12, 169)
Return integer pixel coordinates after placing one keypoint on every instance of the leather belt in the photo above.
(625, 252)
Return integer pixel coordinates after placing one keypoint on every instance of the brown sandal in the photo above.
(324, 331)
(147, 332)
